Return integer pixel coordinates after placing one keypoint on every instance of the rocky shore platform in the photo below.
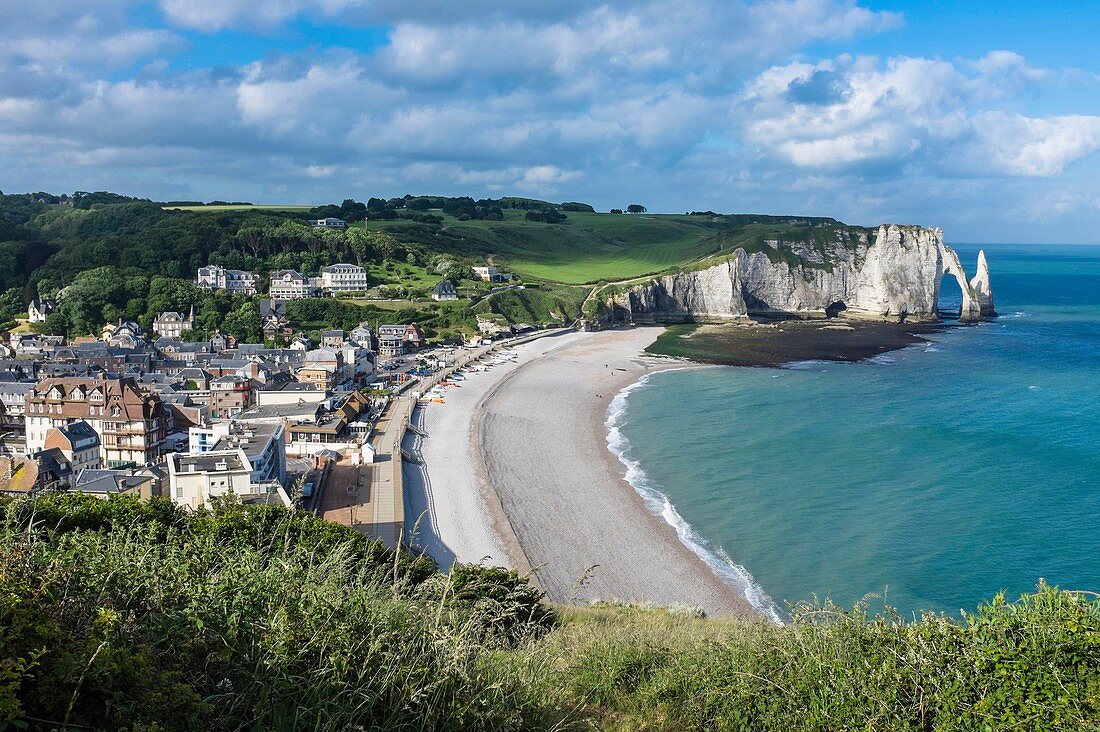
(777, 343)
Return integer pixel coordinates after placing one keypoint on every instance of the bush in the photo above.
(236, 618)
(503, 603)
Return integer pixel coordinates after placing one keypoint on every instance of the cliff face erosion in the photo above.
(893, 273)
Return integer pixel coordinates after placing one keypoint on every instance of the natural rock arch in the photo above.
(977, 296)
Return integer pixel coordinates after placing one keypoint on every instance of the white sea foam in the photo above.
(714, 556)
(931, 349)
(808, 365)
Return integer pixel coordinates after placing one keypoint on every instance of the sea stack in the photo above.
(980, 284)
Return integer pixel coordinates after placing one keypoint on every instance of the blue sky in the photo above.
(981, 117)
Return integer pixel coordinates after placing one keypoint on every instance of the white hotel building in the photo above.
(344, 278)
(286, 284)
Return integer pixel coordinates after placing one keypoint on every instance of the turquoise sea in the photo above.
(939, 475)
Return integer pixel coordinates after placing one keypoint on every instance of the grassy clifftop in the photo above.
(116, 614)
(589, 247)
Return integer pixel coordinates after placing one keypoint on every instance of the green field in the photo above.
(261, 207)
(592, 247)
(586, 248)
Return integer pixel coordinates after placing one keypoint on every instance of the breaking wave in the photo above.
(659, 504)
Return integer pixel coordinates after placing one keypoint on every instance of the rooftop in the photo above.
(209, 462)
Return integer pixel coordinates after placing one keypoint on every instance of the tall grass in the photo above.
(177, 627)
(1032, 664)
(139, 616)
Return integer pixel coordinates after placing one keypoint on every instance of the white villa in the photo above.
(230, 280)
(344, 277)
(329, 223)
(172, 324)
(287, 284)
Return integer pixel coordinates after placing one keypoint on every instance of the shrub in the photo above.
(229, 619)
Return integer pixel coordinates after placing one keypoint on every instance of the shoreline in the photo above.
(660, 505)
(589, 534)
(509, 477)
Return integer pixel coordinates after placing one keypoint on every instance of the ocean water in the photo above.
(937, 475)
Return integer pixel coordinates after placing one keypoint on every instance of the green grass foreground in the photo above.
(122, 615)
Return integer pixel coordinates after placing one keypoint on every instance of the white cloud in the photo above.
(1017, 145)
(847, 112)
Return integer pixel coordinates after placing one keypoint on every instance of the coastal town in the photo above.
(316, 426)
(723, 366)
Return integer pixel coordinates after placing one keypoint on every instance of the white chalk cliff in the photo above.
(893, 273)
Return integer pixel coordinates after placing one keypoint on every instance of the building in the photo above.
(344, 278)
(214, 277)
(172, 324)
(101, 483)
(125, 335)
(264, 445)
(229, 395)
(44, 470)
(37, 310)
(488, 273)
(286, 284)
(78, 442)
(359, 362)
(293, 392)
(273, 319)
(339, 423)
(328, 223)
(131, 424)
(194, 479)
(391, 341)
(362, 336)
(445, 290)
(332, 339)
(397, 340)
(203, 437)
(13, 396)
(323, 368)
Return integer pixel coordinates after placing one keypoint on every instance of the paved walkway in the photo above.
(369, 498)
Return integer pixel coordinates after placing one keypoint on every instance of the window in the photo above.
(179, 491)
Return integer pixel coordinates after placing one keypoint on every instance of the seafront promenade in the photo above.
(370, 497)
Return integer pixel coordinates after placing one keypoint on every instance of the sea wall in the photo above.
(893, 273)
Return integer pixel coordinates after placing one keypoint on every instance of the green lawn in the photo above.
(585, 248)
(404, 274)
(407, 304)
(590, 247)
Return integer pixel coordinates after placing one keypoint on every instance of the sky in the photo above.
(981, 117)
